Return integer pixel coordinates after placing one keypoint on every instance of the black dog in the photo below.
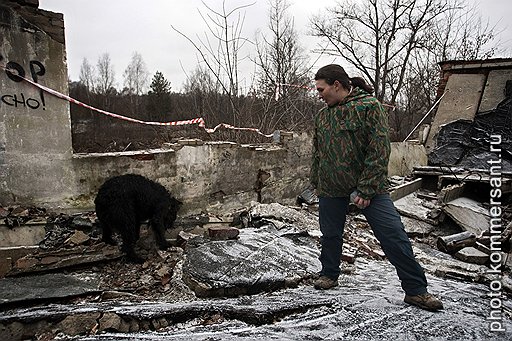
(124, 202)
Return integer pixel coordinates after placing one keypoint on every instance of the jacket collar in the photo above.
(354, 95)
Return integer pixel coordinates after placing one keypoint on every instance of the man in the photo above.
(350, 156)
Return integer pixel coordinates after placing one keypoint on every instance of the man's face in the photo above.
(330, 94)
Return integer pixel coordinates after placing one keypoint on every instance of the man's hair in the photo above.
(334, 72)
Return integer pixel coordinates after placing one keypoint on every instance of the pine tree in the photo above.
(159, 98)
(159, 85)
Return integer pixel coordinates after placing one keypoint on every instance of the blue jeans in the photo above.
(387, 226)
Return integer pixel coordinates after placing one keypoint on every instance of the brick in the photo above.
(26, 262)
(223, 232)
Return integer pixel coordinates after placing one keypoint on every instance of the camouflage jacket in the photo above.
(351, 148)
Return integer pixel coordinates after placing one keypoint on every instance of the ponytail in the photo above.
(359, 82)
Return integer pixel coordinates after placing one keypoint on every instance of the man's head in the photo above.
(332, 84)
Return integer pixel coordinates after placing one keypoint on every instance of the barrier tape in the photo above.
(200, 121)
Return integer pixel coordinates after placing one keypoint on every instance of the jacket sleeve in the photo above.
(373, 179)
(313, 177)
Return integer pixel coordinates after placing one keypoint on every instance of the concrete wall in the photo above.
(405, 156)
(35, 137)
(213, 176)
(461, 101)
(494, 91)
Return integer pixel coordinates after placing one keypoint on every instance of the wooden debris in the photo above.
(450, 193)
(426, 196)
(405, 189)
(455, 242)
(472, 177)
(483, 248)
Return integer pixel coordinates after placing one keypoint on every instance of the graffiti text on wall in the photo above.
(20, 100)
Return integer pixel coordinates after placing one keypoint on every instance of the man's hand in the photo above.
(361, 203)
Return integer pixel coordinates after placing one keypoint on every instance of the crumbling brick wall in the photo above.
(37, 19)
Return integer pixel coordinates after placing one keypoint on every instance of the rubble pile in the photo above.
(14, 216)
(456, 213)
(264, 248)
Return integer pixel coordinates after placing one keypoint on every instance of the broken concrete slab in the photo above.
(465, 142)
(63, 258)
(260, 260)
(468, 214)
(463, 93)
(493, 92)
(298, 217)
(412, 206)
(472, 255)
(25, 235)
(46, 287)
(443, 265)
(269, 259)
(344, 313)
(417, 228)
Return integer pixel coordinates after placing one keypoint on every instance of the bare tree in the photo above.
(135, 80)
(396, 45)
(282, 70)
(87, 76)
(206, 96)
(105, 80)
(86, 80)
(220, 49)
(106, 75)
(460, 33)
(464, 34)
(136, 75)
(378, 37)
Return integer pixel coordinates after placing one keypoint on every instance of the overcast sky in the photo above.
(121, 27)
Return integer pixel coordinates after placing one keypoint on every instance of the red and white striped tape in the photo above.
(200, 121)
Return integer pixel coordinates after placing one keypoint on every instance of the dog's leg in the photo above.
(129, 236)
(157, 225)
(107, 234)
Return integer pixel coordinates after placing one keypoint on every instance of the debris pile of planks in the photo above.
(460, 202)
